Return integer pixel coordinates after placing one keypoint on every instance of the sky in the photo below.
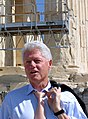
(40, 8)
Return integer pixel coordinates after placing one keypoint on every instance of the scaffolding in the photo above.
(32, 21)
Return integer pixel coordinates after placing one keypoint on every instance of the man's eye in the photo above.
(28, 62)
(37, 61)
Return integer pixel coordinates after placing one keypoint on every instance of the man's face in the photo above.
(36, 66)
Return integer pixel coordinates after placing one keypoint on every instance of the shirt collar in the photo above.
(31, 89)
(47, 87)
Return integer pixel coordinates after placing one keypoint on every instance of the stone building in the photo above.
(60, 24)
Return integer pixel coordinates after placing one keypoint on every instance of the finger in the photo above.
(59, 90)
(51, 92)
(55, 88)
(54, 92)
(51, 95)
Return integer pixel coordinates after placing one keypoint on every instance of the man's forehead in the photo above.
(33, 54)
(34, 50)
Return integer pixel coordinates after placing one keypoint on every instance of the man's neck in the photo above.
(40, 85)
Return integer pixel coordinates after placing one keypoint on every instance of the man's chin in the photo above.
(34, 78)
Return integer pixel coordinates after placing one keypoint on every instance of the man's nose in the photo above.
(33, 64)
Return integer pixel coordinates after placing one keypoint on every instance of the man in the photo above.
(38, 100)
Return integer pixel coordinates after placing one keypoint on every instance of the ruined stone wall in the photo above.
(76, 53)
(71, 64)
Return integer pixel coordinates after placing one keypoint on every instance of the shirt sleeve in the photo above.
(71, 106)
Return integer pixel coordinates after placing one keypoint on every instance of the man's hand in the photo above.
(54, 102)
(54, 99)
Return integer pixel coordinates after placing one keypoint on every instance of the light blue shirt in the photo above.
(22, 103)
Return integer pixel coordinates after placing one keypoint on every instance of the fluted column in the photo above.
(86, 10)
(19, 39)
(9, 38)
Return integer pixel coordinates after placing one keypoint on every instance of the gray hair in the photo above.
(39, 45)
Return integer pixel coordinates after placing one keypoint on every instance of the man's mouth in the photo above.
(33, 72)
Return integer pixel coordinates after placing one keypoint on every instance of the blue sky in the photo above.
(40, 4)
(40, 8)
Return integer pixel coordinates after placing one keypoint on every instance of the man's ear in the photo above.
(50, 64)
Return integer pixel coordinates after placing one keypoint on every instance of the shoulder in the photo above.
(68, 100)
(17, 92)
(67, 96)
